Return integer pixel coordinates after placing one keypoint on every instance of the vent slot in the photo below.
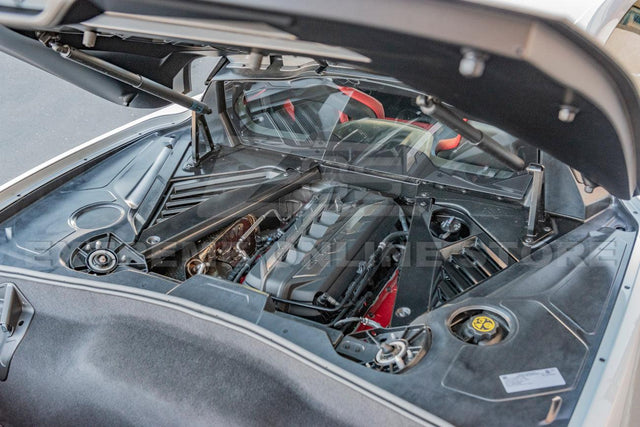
(187, 193)
(466, 264)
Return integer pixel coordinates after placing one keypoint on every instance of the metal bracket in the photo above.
(199, 127)
(15, 315)
(538, 225)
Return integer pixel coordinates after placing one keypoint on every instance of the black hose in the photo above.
(307, 305)
(359, 284)
(235, 275)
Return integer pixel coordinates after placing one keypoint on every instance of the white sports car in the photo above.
(377, 213)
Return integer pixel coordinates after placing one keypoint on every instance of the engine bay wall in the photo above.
(556, 300)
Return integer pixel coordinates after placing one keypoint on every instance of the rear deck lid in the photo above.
(538, 78)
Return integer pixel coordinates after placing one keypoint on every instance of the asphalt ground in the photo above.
(42, 116)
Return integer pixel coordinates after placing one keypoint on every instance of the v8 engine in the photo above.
(321, 250)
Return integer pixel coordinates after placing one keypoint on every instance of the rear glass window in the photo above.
(359, 123)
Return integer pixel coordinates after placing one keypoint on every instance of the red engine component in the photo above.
(381, 310)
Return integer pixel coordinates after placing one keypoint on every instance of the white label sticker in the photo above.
(532, 380)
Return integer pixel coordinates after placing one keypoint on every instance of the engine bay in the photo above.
(420, 286)
(374, 214)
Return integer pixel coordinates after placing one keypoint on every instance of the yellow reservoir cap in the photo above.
(483, 324)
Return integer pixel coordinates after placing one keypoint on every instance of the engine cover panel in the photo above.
(322, 249)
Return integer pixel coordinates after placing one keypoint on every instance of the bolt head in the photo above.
(567, 113)
(472, 63)
(403, 312)
(152, 240)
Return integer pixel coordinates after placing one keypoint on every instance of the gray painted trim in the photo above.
(606, 397)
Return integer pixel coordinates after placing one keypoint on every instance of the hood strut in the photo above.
(434, 108)
(198, 123)
(125, 76)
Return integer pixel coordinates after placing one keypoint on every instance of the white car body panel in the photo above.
(596, 17)
(608, 395)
